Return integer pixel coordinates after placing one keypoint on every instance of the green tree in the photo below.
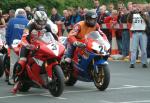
(59, 4)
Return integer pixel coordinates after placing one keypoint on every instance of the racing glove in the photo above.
(79, 44)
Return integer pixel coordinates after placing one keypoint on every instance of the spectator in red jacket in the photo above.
(112, 19)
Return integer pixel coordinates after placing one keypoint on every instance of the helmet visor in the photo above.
(94, 16)
(41, 22)
(91, 21)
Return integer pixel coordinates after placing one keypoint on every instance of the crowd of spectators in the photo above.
(113, 14)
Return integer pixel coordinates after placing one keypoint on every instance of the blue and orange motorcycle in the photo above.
(89, 64)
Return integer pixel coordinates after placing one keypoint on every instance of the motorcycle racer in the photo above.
(76, 35)
(34, 30)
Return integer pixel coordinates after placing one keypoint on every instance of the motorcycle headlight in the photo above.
(98, 49)
(95, 46)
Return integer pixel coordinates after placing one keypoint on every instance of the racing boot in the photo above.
(15, 88)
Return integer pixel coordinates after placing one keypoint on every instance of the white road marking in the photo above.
(142, 101)
(61, 98)
(133, 86)
(137, 86)
(128, 87)
(103, 101)
(52, 96)
(7, 97)
(24, 95)
(17, 95)
(67, 92)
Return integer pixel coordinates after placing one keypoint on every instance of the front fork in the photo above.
(49, 69)
(98, 63)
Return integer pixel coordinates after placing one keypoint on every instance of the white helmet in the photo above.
(40, 18)
(20, 11)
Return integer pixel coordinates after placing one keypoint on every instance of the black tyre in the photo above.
(24, 87)
(102, 78)
(70, 80)
(56, 87)
(1, 66)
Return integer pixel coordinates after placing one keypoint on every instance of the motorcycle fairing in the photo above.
(82, 64)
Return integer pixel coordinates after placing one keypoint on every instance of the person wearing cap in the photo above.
(15, 30)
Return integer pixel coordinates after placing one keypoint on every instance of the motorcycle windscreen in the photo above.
(51, 43)
(47, 38)
(95, 35)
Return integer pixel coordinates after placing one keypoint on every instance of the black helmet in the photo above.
(91, 18)
(40, 8)
(40, 19)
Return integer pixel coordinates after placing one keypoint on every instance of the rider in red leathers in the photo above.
(35, 28)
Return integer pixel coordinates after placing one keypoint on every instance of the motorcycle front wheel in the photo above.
(23, 86)
(102, 78)
(56, 86)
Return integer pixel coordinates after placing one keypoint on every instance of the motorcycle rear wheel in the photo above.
(102, 78)
(24, 87)
(56, 87)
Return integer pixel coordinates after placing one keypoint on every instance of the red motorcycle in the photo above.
(4, 64)
(42, 68)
